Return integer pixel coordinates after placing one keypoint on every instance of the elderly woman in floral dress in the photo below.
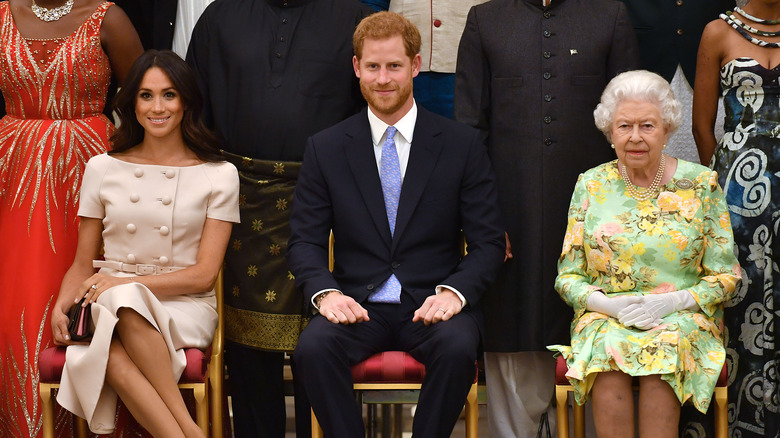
(646, 264)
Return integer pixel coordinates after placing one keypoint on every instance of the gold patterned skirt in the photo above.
(263, 309)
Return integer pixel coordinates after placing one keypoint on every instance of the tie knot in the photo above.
(391, 130)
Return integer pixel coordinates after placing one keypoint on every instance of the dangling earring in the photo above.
(613, 146)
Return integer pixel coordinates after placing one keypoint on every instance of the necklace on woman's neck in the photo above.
(741, 12)
(53, 14)
(644, 194)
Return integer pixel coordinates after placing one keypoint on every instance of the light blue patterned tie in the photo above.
(390, 176)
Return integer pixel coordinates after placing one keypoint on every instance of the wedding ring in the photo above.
(442, 310)
(94, 287)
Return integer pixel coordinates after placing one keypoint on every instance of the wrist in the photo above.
(318, 299)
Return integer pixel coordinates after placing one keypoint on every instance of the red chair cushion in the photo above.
(389, 367)
(52, 361)
(561, 369)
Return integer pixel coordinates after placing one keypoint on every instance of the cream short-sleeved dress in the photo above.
(151, 215)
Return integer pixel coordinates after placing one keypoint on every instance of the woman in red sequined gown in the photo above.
(54, 77)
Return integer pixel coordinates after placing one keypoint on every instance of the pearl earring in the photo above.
(612, 145)
(664, 146)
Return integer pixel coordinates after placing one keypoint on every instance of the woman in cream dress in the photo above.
(161, 205)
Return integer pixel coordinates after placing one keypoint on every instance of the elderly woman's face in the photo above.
(639, 134)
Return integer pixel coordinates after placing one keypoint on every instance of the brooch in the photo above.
(684, 184)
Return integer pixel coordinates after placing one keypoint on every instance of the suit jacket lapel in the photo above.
(425, 150)
(362, 161)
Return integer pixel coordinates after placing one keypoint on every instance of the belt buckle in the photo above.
(145, 269)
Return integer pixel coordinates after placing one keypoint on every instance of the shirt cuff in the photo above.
(316, 294)
(440, 288)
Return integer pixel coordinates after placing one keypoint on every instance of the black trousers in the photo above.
(257, 393)
(326, 352)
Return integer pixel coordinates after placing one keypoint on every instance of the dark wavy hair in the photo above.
(201, 140)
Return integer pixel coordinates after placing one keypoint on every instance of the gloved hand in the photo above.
(598, 302)
(652, 309)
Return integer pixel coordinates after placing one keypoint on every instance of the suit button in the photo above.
(547, 119)
(395, 265)
(370, 287)
(678, 2)
(547, 141)
(546, 55)
(679, 31)
(547, 75)
(546, 34)
(436, 23)
(547, 98)
(547, 15)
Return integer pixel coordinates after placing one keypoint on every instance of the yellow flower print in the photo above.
(270, 296)
(689, 207)
(646, 208)
(686, 194)
(624, 285)
(275, 249)
(594, 187)
(652, 361)
(705, 324)
(290, 276)
(679, 239)
(670, 255)
(621, 266)
(669, 337)
(236, 291)
(668, 201)
(236, 245)
(573, 235)
(689, 363)
(257, 224)
(279, 168)
(725, 221)
(588, 318)
(251, 271)
(281, 204)
(597, 260)
(651, 228)
(716, 356)
(713, 182)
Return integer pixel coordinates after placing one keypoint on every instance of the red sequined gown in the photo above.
(55, 92)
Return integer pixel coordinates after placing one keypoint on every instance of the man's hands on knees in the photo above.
(439, 307)
(342, 309)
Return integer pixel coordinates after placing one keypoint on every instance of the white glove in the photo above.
(598, 302)
(653, 308)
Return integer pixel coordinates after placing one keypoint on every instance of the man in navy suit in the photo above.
(396, 184)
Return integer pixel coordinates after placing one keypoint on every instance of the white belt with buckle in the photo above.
(139, 269)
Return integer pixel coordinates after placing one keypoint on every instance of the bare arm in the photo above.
(706, 90)
(120, 41)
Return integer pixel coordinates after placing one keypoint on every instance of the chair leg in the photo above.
(472, 413)
(316, 430)
(579, 420)
(216, 396)
(201, 408)
(562, 409)
(47, 409)
(81, 427)
(721, 412)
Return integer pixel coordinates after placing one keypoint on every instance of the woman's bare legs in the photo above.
(659, 408)
(145, 348)
(613, 405)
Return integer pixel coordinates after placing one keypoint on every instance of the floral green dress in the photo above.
(680, 240)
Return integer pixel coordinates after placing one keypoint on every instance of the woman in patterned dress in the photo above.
(646, 264)
(739, 58)
(56, 59)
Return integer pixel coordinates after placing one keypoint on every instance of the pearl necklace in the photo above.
(644, 194)
(52, 14)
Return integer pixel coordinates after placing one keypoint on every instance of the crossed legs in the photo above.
(139, 370)
(613, 406)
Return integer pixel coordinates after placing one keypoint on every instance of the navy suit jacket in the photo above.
(448, 186)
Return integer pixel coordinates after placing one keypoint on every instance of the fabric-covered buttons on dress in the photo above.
(134, 197)
(163, 260)
(166, 200)
(131, 228)
(131, 258)
(164, 230)
(138, 172)
(170, 173)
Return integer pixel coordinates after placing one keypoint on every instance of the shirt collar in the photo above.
(405, 126)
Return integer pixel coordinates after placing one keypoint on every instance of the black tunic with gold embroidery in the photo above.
(273, 73)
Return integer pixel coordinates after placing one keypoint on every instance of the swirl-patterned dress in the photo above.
(747, 160)
(680, 240)
(55, 90)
